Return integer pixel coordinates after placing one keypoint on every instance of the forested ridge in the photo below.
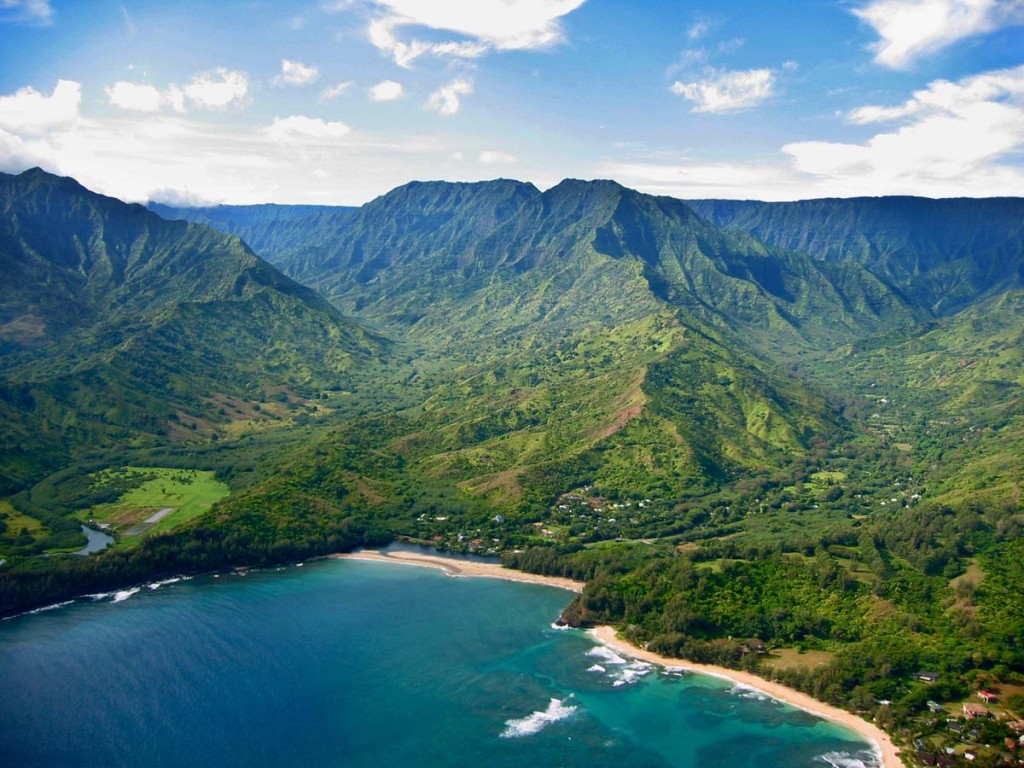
(799, 462)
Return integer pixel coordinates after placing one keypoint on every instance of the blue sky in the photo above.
(338, 101)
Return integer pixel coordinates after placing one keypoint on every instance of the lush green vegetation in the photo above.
(164, 499)
(732, 443)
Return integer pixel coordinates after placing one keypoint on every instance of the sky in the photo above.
(335, 102)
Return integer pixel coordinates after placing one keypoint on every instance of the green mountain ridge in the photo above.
(723, 437)
(118, 324)
(942, 254)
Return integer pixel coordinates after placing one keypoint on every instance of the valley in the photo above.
(729, 428)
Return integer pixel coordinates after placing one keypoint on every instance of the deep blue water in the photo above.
(349, 663)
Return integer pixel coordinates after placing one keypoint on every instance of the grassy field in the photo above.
(17, 522)
(186, 493)
(791, 658)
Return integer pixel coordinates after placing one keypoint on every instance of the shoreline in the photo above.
(461, 568)
(607, 636)
(887, 751)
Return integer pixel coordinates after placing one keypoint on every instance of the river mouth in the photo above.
(97, 541)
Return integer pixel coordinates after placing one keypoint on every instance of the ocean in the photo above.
(367, 665)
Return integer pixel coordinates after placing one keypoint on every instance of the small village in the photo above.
(981, 731)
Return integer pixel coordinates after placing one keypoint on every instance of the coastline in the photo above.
(462, 568)
(608, 637)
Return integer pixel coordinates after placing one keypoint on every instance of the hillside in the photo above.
(268, 229)
(725, 438)
(943, 255)
(117, 325)
(441, 261)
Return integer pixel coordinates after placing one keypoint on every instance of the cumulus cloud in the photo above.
(26, 11)
(950, 131)
(217, 89)
(447, 99)
(135, 96)
(211, 90)
(484, 25)
(334, 91)
(136, 155)
(388, 90)
(28, 110)
(951, 138)
(296, 73)
(910, 29)
(494, 157)
(727, 91)
(301, 127)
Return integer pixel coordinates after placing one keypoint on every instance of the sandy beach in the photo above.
(890, 754)
(607, 636)
(463, 568)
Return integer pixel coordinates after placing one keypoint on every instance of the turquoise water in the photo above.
(349, 663)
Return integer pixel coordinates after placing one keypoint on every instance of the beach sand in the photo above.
(607, 636)
(890, 754)
(464, 568)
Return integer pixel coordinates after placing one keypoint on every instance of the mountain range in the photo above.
(450, 355)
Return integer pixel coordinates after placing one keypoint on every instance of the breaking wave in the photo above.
(537, 721)
(619, 670)
(165, 582)
(861, 759)
(124, 594)
(749, 692)
(606, 655)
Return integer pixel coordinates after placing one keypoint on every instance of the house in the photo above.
(971, 711)
(1016, 726)
(987, 696)
(934, 706)
(927, 677)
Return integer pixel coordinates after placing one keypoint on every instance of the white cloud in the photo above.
(26, 11)
(689, 179)
(494, 157)
(489, 24)
(387, 90)
(301, 127)
(698, 29)
(295, 159)
(952, 133)
(210, 90)
(962, 138)
(446, 99)
(335, 91)
(29, 110)
(217, 89)
(910, 29)
(727, 91)
(135, 96)
(295, 73)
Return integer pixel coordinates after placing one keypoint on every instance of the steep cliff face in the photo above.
(943, 255)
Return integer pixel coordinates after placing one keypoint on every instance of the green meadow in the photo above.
(188, 492)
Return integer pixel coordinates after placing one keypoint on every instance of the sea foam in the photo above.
(852, 760)
(165, 582)
(537, 721)
(607, 655)
(124, 594)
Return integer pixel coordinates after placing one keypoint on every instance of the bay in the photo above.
(350, 663)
